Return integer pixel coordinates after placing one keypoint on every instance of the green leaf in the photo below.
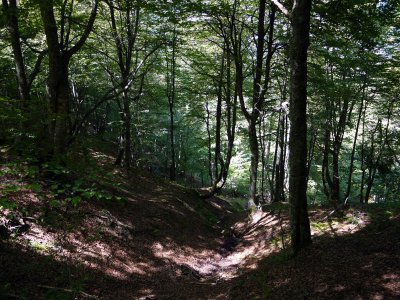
(7, 204)
(11, 188)
(54, 203)
(75, 200)
(35, 187)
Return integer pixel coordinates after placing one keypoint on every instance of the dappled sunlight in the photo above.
(107, 258)
(391, 282)
(101, 157)
(257, 240)
(353, 221)
(164, 241)
(40, 240)
(204, 261)
(253, 245)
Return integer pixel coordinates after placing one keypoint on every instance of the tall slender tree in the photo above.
(300, 26)
(300, 31)
(125, 38)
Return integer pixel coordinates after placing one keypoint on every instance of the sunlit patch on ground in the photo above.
(40, 240)
(322, 224)
(391, 282)
(205, 262)
(165, 242)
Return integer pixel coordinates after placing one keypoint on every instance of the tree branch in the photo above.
(109, 95)
(282, 8)
(36, 68)
(87, 31)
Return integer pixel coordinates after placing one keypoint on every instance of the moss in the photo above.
(319, 225)
(39, 247)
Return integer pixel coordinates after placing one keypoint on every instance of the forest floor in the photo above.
(99, 233)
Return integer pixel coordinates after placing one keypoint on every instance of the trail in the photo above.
(162, 241)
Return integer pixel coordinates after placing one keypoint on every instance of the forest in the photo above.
(209, 149)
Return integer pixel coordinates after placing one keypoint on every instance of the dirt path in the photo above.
(164, 242)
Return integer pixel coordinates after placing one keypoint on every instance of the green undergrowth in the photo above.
(319, 225)
(381, 214)
(238, 204)
(206, 213)
(277, 207)
(60, 185)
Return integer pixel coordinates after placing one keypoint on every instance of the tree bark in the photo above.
(171, 103)
(217, 154)
(221, 174)
(124, 51)
(300, 225)
(260, 85)
(362, 158)
(210, 164)
(10, 11)
(58, 90)
(280, 194)
(353, 150)
(254, 158)
(383, 138)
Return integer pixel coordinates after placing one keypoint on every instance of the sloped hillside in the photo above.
(111, 235)
(96, 232)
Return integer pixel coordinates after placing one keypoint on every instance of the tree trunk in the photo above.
(171, 103)
(59, 102)
(362, 158)
(275, 169)
(172, 167)
(10, 10)
(334, 193)
(281, 163)
(124, 52)
(217, 156)
(261, 133)
(310, 158)
(58, 90)
(127, 119)
(353, 150)
(300, 225)
(232, 33)
(383, 138)
(210, 164)
(253, 140)
(221, 174)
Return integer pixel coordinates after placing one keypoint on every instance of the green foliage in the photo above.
(207, 214)
(238, 204)
(77, 191)
(352, 43)
(319, 225)
(7, 204)
(39, 247)
(10, 117)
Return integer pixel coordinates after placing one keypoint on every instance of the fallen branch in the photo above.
(343, 205)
